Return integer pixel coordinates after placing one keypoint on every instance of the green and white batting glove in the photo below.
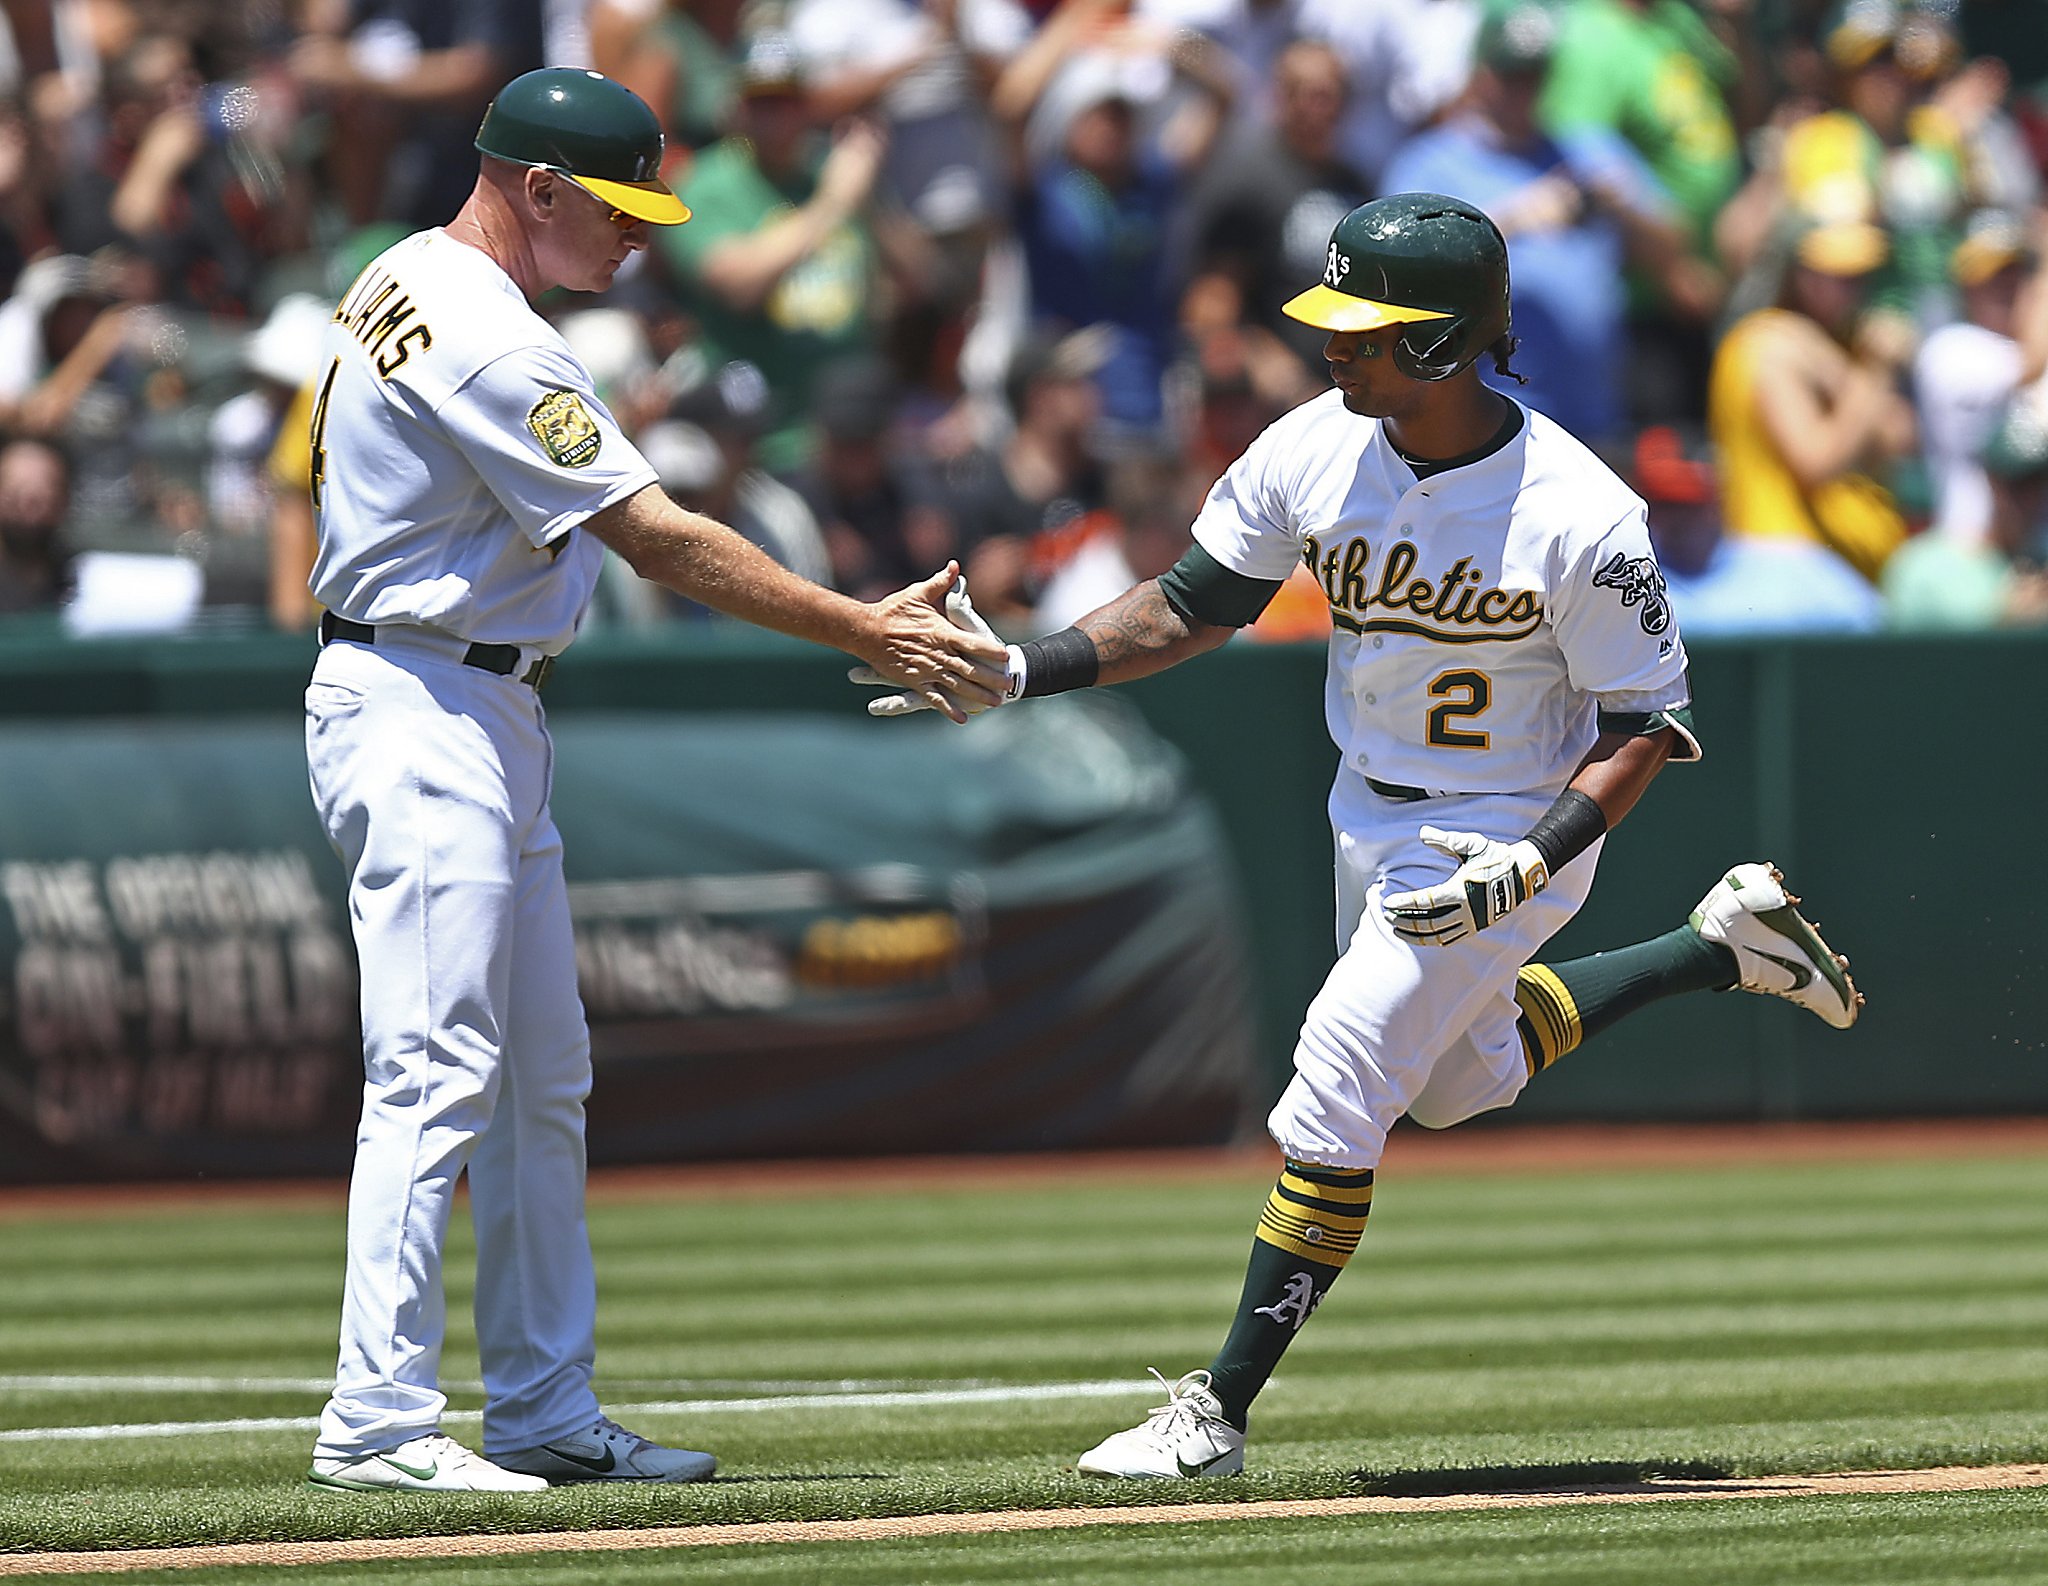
(1495, 878)
(960, 611)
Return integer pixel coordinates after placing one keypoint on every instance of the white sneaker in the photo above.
(1185, 1436)
(606, 1451)
(1776, 952)
(434, 1462)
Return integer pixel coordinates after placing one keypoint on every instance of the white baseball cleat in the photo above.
(1776, 952)
(433, 1462)
(1185, 1436)
(606, 1451)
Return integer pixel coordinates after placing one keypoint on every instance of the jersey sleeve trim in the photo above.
(1644, 723)
(1204, 591)
(562, 523)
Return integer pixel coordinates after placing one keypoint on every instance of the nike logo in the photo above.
(417, 1472)
(1802, 977)
(1201, 1467)
(597, 1467)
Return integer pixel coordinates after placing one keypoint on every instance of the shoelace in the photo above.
(1178, 1411)
(605, 1424)
(444, 1447)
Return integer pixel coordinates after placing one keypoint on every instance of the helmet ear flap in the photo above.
(1430, 350)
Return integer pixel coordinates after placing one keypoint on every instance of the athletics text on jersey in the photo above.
(1481, 615)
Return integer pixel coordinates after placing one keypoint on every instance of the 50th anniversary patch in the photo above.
(566, 432)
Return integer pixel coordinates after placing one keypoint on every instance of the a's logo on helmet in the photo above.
(1338, 267)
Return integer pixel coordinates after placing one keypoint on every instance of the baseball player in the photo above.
(1506, 678)
(467, 481)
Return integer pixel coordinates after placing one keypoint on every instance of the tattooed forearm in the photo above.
(1140, 633)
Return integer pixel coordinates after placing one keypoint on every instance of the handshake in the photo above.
(902, 701)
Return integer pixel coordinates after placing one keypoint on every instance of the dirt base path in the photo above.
(1958, 1478)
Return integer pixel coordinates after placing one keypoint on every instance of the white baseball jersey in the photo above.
(1482, 615)
(457, 444)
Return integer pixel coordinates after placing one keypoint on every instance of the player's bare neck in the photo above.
(1449, 420)
(487, 224)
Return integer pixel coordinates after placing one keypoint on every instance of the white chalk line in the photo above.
(1012, 1393)
(184, 1382)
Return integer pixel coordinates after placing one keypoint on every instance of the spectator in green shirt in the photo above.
(777, 264)
(1654, 72)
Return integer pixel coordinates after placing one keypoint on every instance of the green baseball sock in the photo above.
(1565, 1004)
(1311, 1224)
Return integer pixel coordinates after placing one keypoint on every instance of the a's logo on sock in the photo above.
(1296, 1305)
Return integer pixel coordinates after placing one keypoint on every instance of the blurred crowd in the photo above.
(1001, 279)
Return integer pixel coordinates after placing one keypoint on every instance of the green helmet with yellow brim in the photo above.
(1424, 260)
(598, 133)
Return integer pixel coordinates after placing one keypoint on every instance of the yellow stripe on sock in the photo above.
(1341, 1194)
(1314, 1236)
(1551, 1013)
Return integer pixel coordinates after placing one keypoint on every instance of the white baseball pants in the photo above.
(1400, 1028)
(432, 780)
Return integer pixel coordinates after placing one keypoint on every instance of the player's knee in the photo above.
(1432, 1116)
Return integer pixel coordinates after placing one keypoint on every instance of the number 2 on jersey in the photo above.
(1464, 694)
(319, 472)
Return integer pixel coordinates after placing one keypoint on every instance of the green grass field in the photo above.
(856, 1353)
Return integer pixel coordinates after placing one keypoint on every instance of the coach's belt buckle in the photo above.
(538, 673)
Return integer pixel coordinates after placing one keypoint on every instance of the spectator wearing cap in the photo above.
(1263, 213)
(1016, 504)
(1573, 209)
(1737, 584)
(35, 496)
(1804, 406)
(1099, 193)
(778, 263)
(874, 502)
(1967, 371)
(1942, 582)
(1886, 152)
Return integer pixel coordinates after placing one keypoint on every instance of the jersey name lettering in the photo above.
(373, 312)
(1453, 607)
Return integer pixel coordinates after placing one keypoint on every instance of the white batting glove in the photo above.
(960, 610)
(1494, 878)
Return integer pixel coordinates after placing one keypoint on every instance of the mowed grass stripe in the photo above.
(1787, 1319)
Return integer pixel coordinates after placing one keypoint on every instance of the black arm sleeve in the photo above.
(1203, 590)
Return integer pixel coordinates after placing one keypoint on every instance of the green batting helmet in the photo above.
(592, 130)
(1416, 259)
